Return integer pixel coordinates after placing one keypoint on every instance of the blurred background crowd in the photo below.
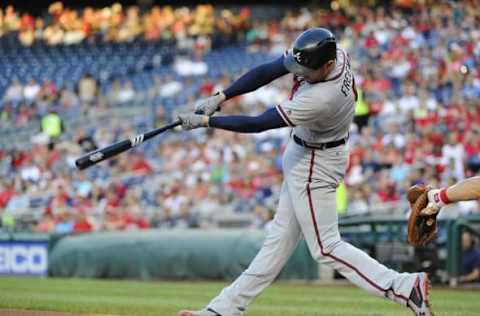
(63, 25)
(82, 79)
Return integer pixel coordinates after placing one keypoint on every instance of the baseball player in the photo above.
(465, 190)
(320, 110)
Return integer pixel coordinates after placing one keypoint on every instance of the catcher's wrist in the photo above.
(443, 196)
(438, 197)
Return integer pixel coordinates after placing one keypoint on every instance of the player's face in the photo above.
(321, 73)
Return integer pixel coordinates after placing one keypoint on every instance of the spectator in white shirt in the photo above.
(185, 67)
(409, 101)
(170, 87)
(14, 93)
(127, 93)
(31, 90)
(454, 151)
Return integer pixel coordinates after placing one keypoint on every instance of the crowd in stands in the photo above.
(63, 25)
(417, 121)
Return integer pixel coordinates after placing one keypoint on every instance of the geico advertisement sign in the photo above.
(23, 258)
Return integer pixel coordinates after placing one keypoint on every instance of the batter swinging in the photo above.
(320, 109)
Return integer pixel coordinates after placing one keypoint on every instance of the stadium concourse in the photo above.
(107, 77)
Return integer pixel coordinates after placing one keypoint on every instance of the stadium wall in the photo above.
(218, 254)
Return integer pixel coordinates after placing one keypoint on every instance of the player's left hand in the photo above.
(192, 120)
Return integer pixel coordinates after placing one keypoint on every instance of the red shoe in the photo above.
(418, 300)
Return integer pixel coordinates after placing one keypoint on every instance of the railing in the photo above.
(454, 243)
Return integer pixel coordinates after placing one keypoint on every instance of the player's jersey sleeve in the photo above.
(302, 110)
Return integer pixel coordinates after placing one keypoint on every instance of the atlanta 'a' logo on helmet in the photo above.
(298, 56)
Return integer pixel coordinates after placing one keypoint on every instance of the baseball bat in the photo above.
(101, 154)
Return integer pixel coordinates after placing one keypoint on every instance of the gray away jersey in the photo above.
(323, 111)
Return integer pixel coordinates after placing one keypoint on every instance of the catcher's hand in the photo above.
(422, 223)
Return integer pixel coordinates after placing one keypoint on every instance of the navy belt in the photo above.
(320, 146)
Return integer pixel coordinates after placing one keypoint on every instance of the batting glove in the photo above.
(209, 105)
(192, 120)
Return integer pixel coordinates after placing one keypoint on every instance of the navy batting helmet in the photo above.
(310, 51)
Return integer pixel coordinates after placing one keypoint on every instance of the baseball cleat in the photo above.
(203, 312)
(418, 300)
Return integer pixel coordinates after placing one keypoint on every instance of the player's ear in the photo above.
(327, 65)
(330, 62)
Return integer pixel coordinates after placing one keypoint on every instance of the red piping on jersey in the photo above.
(284, 116)
(295, 86)
(354, 89)
(312, 212)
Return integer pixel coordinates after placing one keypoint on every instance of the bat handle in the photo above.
(174, 124)
(164, 128)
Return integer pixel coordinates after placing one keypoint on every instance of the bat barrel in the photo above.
(99, 155)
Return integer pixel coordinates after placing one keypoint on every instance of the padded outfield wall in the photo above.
(177, 254)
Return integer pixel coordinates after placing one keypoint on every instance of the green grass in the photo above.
(166, 298)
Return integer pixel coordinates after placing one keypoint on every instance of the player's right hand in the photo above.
(193, 120)
(209, 105)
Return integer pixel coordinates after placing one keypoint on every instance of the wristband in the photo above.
(443, 196)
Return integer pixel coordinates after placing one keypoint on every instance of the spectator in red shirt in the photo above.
(46, 224)
(49, 90)
(387, 192)
(132, 214)
(83, 223)
(140, 165)
(7, 191)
